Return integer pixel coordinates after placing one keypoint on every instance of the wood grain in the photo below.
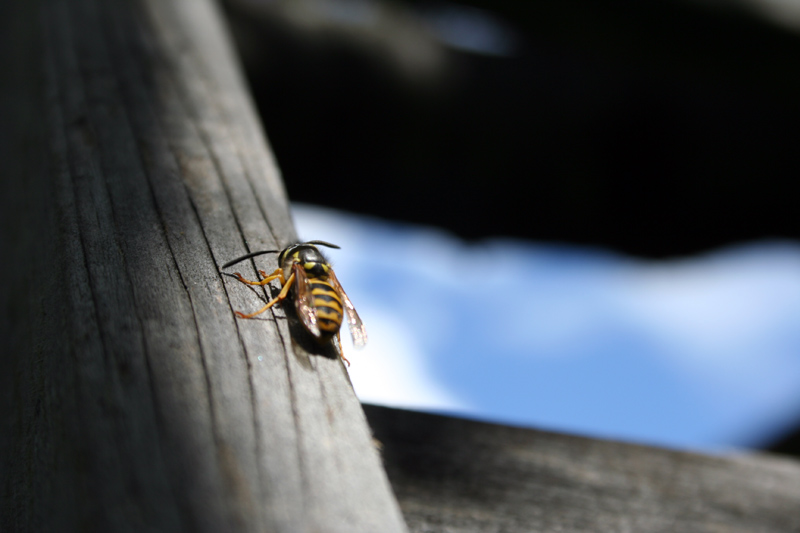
(458, 476)
(136, 401)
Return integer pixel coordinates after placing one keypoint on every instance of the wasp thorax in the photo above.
(315, 269)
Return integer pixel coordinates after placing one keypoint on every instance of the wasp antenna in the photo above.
(323, 243)
(248, 256)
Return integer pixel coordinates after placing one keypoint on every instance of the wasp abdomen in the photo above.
(328, 306)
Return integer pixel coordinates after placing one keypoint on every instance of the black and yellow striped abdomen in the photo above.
(328, 305)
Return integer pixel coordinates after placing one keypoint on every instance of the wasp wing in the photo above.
(304, 302)
(357, 329)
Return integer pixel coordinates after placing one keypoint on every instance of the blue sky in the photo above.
(700, 353)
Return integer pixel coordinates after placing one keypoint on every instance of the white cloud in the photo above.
(391, 369)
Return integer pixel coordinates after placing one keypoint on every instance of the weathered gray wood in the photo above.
(135, 400)
(458, 476)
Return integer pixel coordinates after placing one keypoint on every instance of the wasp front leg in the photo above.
(281, 296)
(278, 274)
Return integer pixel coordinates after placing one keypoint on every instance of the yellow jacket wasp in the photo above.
(318, 296)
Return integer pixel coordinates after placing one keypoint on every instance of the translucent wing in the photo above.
(305, 301)
(357, 329)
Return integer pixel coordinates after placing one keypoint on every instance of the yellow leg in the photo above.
(278, 274)
(280, 297)
(341, 349)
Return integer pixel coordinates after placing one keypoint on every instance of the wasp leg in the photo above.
(278, 274)
(281, 296)
(341, 349)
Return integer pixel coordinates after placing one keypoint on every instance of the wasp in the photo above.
(318, 296)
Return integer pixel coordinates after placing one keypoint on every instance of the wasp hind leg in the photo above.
(280, 297)
(341, 349)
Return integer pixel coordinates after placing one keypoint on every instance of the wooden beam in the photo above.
(135, 400)
(461, 476)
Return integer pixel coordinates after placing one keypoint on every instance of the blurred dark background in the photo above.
(658, 129)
